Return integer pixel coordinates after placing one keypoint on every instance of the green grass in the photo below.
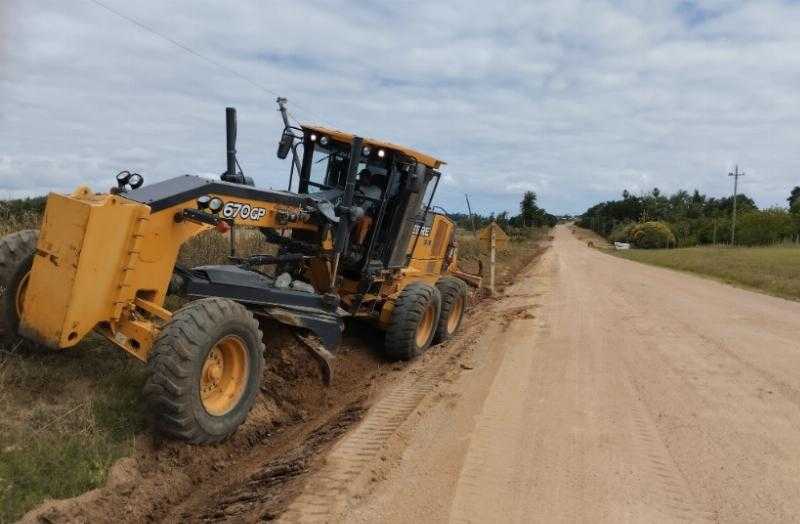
(65, 417)
(772, 270)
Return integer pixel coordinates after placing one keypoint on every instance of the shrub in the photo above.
(769, 226)
(622, 232)
(652, 235)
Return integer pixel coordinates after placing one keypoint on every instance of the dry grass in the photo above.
(212, 247)
(12, 223)
(772, 270)
(523, 247)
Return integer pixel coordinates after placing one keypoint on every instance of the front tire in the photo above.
(454, 304)
(413, 321)
(16, 259)
(205, 371)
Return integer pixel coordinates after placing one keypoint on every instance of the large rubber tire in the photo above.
(417, 306)
(16, 258)
(454, 304)
(185, 358)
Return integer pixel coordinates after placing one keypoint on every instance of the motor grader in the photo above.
(357, 238)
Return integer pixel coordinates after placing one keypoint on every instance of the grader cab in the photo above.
(356, 238)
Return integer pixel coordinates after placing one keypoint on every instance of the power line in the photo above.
(191, 51)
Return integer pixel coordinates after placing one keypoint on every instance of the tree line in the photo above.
(10, 209)
(530, 215)
(695, 218)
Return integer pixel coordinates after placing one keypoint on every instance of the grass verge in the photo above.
(65, 417)
(772, 270)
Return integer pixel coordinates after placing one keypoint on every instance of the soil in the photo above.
(290, 425)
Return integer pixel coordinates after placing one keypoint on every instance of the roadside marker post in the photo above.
(491, 238)
(492, 249)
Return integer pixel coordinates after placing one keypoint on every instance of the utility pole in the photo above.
(736, 174)
(471, 216)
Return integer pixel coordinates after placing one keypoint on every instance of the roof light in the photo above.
(136, 180)
(366, 151)
(381, 153)
(313, 137)
(122, 177)
(324, 140)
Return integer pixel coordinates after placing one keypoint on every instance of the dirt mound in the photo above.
(164, 475)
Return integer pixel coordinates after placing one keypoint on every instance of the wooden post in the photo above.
(492, 246)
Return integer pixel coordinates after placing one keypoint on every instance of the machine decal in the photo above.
(424, 231)
(245, 211)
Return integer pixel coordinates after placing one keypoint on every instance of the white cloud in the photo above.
(575, 100)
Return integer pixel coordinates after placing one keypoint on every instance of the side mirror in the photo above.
(285, 145)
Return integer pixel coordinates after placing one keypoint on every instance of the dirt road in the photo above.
(598, 389)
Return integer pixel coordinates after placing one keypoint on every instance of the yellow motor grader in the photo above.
(357, 238)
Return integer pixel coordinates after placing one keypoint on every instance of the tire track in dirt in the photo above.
(351, 464)
(347, 465)
(666, 486)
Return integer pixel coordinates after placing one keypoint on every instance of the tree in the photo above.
(528, 208)
(793, 196)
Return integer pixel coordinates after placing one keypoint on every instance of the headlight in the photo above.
(202, 202)
(313, 137)
(136, 180)
(324, 140)
(215, 205)
(381, 153)
(366, 151)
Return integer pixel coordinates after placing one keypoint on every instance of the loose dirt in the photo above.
(293, 421)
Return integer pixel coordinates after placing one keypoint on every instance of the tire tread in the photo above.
(450, 288)
(168, 390)
(409, 307)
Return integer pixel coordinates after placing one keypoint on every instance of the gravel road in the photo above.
(595, 389)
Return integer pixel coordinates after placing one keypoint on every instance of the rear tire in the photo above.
(413, 321)
(205, 371)
(16, 258)
(454, 304)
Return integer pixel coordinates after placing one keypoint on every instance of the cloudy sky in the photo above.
(574, 100)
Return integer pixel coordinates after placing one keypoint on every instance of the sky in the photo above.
(575, 100)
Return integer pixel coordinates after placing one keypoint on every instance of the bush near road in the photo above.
(647, 235)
